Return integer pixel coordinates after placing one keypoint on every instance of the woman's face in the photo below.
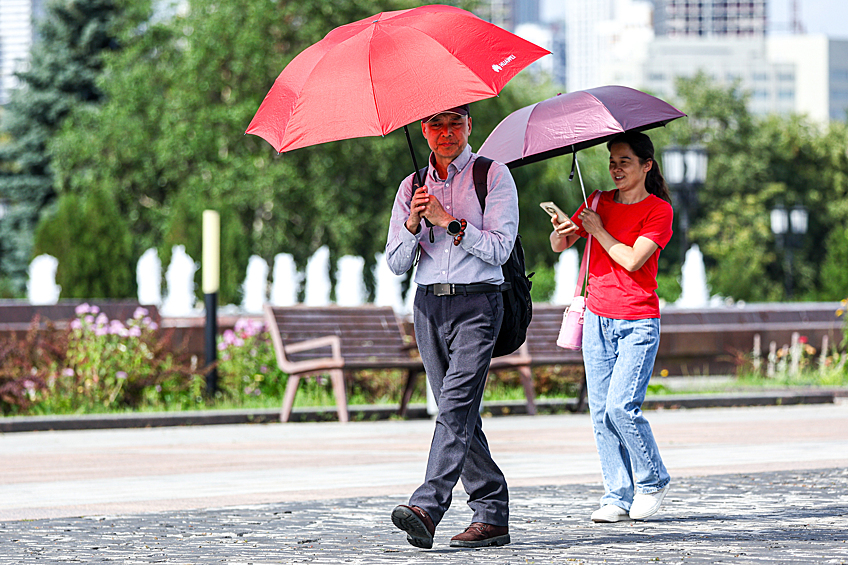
(626, 171)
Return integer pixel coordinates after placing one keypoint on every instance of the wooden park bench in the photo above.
(700, 341)
(335, 340)
(541, 349)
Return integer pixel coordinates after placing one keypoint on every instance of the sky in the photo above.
(829, 17)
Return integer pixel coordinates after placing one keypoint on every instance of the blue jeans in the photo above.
(619, 357)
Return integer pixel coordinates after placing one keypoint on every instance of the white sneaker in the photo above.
(645, 505)
(610, 513)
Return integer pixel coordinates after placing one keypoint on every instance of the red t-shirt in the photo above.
(615, 292)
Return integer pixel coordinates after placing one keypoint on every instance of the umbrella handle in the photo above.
(427, 222)
(414, 160)
(576, 165)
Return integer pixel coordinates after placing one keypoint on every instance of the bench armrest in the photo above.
(309, 365)
(332, 340)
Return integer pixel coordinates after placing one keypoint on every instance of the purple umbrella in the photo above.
(570, 122)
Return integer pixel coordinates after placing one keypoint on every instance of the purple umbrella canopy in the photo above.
(570, 122)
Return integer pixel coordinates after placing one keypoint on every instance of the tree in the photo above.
(756, 163)
(92, 223)
(62, 75)
(169, 140)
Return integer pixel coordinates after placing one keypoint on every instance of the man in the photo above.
(457, 314)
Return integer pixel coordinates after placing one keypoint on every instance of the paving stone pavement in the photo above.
(792, 517)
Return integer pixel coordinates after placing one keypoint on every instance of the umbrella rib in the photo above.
(371, 77)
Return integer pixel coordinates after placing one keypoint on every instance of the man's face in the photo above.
(447, 134)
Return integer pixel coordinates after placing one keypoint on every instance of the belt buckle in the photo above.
(443, 289)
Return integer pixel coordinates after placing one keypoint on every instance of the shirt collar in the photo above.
(458, 164)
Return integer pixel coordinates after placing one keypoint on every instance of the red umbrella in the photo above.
(570, 122)
(373, 76)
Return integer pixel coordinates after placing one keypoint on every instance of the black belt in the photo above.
(454, 289)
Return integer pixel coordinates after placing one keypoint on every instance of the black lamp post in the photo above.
(685, 171)
(211, 265)
(789, 227)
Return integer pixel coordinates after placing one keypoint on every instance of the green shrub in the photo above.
(110, 364)
(544, 283)
(92, 241)
(247, 366)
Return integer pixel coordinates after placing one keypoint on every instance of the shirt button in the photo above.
(446, 250)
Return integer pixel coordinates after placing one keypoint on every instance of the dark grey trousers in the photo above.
(455, 336)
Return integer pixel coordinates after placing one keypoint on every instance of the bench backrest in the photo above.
(543, 332)
(18, 315)
(703, 335)
(366, 332)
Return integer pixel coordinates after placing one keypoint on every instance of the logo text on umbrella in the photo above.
(498, 67)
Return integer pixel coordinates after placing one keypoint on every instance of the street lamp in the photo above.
(685, 170)
(789, 227)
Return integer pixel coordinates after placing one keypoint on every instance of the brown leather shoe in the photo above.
(479, 534)
(416, 523)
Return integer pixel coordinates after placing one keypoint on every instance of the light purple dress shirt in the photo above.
(488, 237)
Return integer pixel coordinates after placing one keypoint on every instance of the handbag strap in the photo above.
(585, 262)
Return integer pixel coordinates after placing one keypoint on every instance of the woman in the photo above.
(621, 332)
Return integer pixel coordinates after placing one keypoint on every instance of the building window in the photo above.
(839, 75)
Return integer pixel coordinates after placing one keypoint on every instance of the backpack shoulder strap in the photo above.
(422, 173)
(480, 172)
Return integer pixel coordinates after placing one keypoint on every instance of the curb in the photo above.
(13, 424)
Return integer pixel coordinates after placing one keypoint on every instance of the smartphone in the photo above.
(554, 211)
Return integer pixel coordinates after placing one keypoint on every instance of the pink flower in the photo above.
(89, 319)
(82, 309)
(68, 372)
(121, 375)
(134, 331)
(102, 319)
(153, 326)
(248, 327)
(94, 309)
(76, 324)
(100, 331)
(140, 313)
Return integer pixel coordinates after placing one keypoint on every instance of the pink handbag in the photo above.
(571, 331)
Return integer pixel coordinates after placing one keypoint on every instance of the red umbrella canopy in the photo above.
(378, 74)
(574, 121)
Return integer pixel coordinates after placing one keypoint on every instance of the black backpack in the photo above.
(518, 306)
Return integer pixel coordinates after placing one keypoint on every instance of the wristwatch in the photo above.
(454, 228)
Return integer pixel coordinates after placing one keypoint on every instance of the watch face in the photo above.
(454, 227)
